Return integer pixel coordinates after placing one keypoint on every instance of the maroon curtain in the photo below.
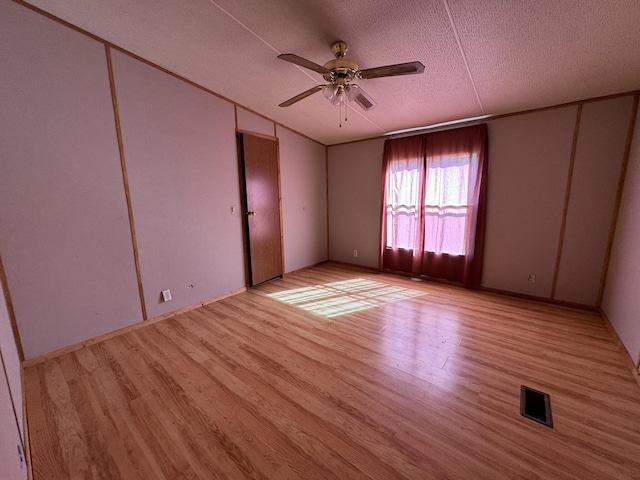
(405, 154)
(434, 203)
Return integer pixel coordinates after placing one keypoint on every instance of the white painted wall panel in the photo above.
(251, 122)
(303, 175)
(11, 466)
(9, 354)
(64, 236)
(528, 165)
(180, 150)
(355, 182)
(596, 172)
(621, 301)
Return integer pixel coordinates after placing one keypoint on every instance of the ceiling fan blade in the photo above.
(360, 97)
(409, 68)
(302, 95)
(303, 62)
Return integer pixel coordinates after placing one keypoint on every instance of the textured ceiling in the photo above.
(481, 57)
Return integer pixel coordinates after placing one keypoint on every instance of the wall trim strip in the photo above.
(255, 134)
(125, 179)
(490, 291)
(151, 64)
(25, 422)
(173, 74)
(490, 118)
(12, 394)
(624, 353)
(567, 198)
(618, 201)
(116, 333)
(326, 173)
(11, 311)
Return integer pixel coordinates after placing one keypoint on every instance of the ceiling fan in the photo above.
(341, 72)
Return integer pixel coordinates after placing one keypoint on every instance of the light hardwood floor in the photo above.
(338, 373)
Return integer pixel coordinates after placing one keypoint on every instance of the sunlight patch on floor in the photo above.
(348, 296)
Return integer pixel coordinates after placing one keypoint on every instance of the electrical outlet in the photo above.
(355, 253)
(532, 278)
(166, 295)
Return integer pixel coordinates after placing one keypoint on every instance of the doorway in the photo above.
(263, 226)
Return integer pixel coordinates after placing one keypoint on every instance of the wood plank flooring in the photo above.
(339, 373)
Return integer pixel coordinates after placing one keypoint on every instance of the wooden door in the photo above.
(262, 207)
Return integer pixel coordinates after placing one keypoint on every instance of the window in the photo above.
(431, 201)
(402, 194)
(446, 203)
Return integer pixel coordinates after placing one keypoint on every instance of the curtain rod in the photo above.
(436, 127)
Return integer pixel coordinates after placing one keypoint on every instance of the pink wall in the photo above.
(251, 122)
(180, 150)
(9, 355)
(12, 468)
(304, 200)
(355, 172)
(621, 302)
(529, 159)
(65, 238)
(11, 407)
(598, 160)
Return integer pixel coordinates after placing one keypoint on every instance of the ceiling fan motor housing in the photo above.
(343, 70)
(339, 49)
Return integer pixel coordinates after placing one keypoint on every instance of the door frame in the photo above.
(243, 201)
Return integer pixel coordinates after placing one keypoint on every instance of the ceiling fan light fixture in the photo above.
(340, 97)
(339, 100)
(352, 91)
(329, 91)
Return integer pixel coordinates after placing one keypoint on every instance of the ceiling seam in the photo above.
(228, 14)
(212, 2)
(464, 57)
(245, 27)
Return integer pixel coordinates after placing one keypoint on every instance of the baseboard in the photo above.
(493, 291)
(628, 360)
(101, 338)
(304, 268)
(550, 301)
(355, 266)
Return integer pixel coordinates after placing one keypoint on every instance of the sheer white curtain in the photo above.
(446, 202)
(403, 190)
(403, 198)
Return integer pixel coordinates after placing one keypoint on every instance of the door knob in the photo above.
(251, 213)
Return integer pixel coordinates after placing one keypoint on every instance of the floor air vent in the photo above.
(535, 405)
